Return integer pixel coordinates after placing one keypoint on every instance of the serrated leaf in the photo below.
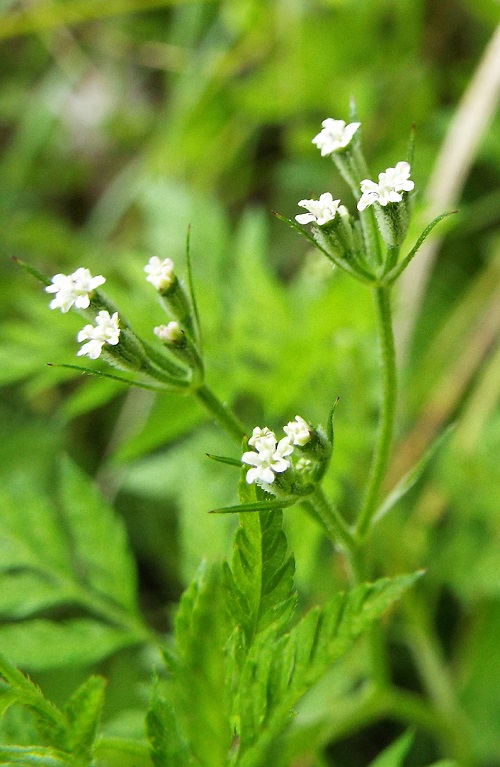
(98, 539)
(276, 675)
(260, 580)
(167, 747)
(49, 720)
(198, 690)
(82, 713)
(52, 557)
(41, 644)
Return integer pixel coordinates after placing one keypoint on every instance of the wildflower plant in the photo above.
(241, 619)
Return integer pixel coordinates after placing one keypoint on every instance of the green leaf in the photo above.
(167, 747)
(263, 506)
(77, 555)
(198, 694)
(411, 478)
(82, 713)
(49, 720)
(225, 459)
(393, 755)
(276, 674)
(399, 268)
(25, 593)
(42, 644)
(121, 752)
(36, 756)
(260, 579)
(98, 539)
(102, 374)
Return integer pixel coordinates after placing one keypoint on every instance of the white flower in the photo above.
(320, 211)
(263, 437)
(73, 289)
(169, 334)
(298, 431)
(160, 273)
(270, 458)
(334, 136)
(105, 331)
(390, 185)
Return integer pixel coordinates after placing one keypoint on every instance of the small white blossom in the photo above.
(269, 459)
(390, 185)
(334, 136)
(320, 211)
(298, 431)
(263, 438)
(160, 273)
(169, 334)
(105, 331)
(73, 289)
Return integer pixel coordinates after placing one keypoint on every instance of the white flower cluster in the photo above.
(321, 211)
(271, 457)
(160, 273)
(105, 331)
(336, 135)
(390, 185)
(73, 289)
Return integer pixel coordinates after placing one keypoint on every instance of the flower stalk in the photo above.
(382, 300)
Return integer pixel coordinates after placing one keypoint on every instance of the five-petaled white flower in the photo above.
(321, 211)
(73, 289)
(105, 331)
(270, 457)
(390, 185)
(335, 135)
(298, 431)
(160, 273)
(169, 334)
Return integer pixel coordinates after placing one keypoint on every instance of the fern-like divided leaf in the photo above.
(67, 736)
(197, 711)
(278, 672)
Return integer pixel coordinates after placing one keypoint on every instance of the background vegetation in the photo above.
(123, 122)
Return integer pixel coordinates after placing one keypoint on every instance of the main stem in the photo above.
(220, 413)
(382, 299)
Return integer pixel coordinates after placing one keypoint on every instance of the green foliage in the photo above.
(67, 735)
(63, 554)
(122, 123)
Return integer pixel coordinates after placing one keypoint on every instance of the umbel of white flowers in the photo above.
(271, 457)
(386, 195)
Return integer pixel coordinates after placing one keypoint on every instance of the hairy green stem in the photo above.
(220, 413)
(337, 529)
(386, 422)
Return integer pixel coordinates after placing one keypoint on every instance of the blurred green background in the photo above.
(123, 122)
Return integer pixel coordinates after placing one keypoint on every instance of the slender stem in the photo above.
(221, 413)
(337, 529)
(387, 410)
